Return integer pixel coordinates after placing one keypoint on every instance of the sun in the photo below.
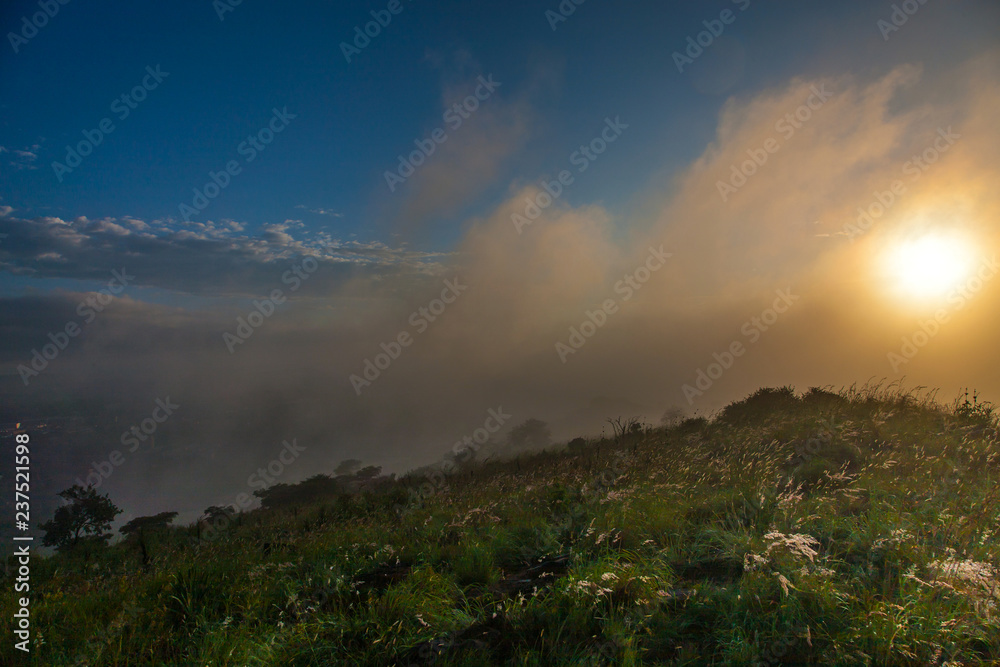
(929, 266)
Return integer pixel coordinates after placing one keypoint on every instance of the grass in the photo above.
(828, 528)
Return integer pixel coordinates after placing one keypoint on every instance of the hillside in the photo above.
(848, 528)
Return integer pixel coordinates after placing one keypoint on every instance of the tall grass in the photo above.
(829, 528)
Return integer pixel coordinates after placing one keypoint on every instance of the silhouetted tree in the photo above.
(140, 527)
(86, 518)
(623, 426)
(672, 417)
(532, 434)
(369, 472)
(317, 487)
(215, 512)
(147, 523)
(347, 467)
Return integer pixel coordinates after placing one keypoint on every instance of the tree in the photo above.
(532, 434)
(143, 525)
(625, 426)
(314, 489)
(87, 518)
(215, 512)
(347, 467)
(672, 416)
(368, 473)
(147, 523)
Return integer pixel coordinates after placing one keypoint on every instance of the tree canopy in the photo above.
(309, 490)
(147, 523)
(215, 511)
(348, 467)
(86, 518)
(531, 434)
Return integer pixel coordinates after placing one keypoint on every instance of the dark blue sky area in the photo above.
(354, 119)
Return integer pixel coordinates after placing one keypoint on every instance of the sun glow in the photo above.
(929, 266)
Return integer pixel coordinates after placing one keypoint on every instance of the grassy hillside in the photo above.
(851, 528)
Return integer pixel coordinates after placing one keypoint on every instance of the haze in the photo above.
(302, 240)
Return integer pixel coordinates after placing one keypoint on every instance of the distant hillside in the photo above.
(827, 528)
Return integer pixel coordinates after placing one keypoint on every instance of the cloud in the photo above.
(850, 149)
(496, 344)
(475, 154)
(321, 211)
(731, 257)
(204, 258)
(22, 158)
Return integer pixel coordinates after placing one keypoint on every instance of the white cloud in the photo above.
(196, 257)
(321, 211)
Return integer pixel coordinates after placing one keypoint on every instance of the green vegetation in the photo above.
(850, 528)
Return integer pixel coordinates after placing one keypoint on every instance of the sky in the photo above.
(568, 211)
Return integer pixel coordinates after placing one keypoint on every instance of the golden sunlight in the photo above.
(929, 266)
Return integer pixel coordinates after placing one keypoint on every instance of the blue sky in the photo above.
(353, 119)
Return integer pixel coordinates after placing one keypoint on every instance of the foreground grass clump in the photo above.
(851, 528)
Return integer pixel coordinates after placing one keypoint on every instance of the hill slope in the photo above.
(855, 528)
